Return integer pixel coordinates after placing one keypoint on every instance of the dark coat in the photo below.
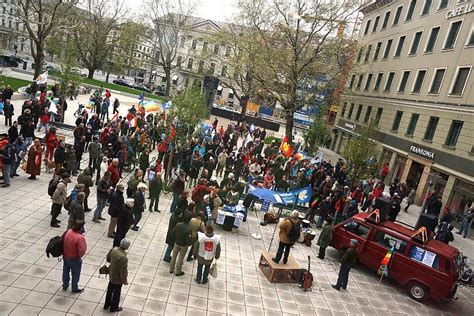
(116, 203)
(125, 220)
(325, 238)
(139, 202)
(12, 134)
(59, 155)
(182, 234)
(174, 219)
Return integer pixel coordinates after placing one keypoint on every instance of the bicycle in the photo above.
(79, 110)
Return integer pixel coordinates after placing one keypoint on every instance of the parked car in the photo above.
(10, 62)
(46, 67)
(78, 72)
(121, 82)
(16, 58)
(3, 63)
(141, 87)
(430, 269)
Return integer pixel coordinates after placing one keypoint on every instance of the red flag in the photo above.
(285, 148)
(172, 133)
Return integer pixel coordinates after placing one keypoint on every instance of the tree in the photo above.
(42, 18)
(93, 31)
(317, 134)
(169, 22)
(361, 154)
(68, 79)
(295, 38)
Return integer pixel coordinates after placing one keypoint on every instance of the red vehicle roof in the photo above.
(402, 231)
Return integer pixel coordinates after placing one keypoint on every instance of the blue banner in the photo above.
(301, 196)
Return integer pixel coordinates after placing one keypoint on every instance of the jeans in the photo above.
(343, 276)
(74, 266)
(168, 251)
(15, 166)
(465, 225)
(8, 120)
(99, 208)
(283, 247)
(320, 222)
(45, 125)
(174, 202)
(7, 168)
(202, 277)
(178, 257)
(112, 298)
(154, 200)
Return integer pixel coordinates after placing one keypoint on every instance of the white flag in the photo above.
(42, 78)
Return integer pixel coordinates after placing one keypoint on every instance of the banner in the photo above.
(301, 196)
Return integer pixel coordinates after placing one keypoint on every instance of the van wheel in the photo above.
(417, 291)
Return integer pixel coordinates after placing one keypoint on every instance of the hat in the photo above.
(142, 185)
(79, 186)
(295, 214)
(231, 175)
(130, 202)
(124, 244)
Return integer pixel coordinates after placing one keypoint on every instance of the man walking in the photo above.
(125, 220)
(178, 188)
(183, 239)
(347, 262)
(103, 191)
(59, 198)
(287, 228)
(139, 204)
(116, 203)
(118, 274)
(325, 238)
(74, 248)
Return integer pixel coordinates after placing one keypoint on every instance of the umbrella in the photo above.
(267, 195)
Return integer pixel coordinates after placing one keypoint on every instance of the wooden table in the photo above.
(279, 272)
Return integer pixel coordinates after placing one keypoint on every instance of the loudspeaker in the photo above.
(211, 82)
(430, 221)
(383, 204)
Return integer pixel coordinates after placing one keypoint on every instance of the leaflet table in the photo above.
(279, 272)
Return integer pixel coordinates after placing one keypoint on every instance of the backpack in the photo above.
(53, 184)
(55, 246)
(67, 203)
(295, 232)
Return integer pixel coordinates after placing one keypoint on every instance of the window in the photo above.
(359, 111)
(367, 114)
(398, 13)
(378, 81)
(212, 68)
(454, 132)
(190, 63)
(201, 67)
(404, 81)
(224, 71)
(431, 128)
(420, 77)
(357, 228)
(437, 81)
(344, 109)
(359, 55)
(183, 41)
(443, 4)
(227, 51)
(351, 109)
(367, 54)
(452, 35)
(369, 80)
(396, 121)
(388, 84)
(376, 23)
(377, 50)
(378, 116)
(179, 60)
(387, 49)
(216, 49)
(194, 44)
(401, 41)
(389, 241)
(427, 7)
(411, 9)
(432, 39)
(470, 42)
(359, 83)
(367, 26)
(385, 20)
(412, 125)
(460, 80)
(415, 43)
(204, 46)
(424, 256)
(351, 84)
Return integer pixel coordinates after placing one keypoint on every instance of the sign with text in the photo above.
(422, 152)
(464, 7)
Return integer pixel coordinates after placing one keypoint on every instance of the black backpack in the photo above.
(295, 232)
(53, 184)
(55, 246)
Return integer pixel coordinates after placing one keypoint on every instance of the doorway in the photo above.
(414, 175)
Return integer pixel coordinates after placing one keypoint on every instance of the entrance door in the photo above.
(414, 175)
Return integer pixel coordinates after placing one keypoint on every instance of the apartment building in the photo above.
(13, 34)
(413, 78)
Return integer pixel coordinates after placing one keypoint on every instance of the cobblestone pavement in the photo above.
(30, 283)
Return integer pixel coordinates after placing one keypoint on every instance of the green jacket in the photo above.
(182, 234)
(118, 270)
(94, 150)
(325, 238)
(155, 186)
(86, 178)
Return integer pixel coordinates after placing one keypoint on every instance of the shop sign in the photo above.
(422, 152)
(350, 126)
(464, 7)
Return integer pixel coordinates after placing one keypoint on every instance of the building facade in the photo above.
(413, 79)
(13, 34)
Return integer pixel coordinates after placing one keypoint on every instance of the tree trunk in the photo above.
(39, 60)
(289, 125)
(243, 104)
(90, 75)
(168, 82)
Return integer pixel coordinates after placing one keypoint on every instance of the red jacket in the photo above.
(163, 147)
(51, 140)
(74, 245)
(377, 193)
(44, 118)
(115, 178)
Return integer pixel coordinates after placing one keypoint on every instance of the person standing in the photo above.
(178, 188)
(197, 225)
(286, 240)
(85, 178)
(325, 238)
(20, 150)
(347, 262)
(33, 163)
(8, 112)
(183, 239)
(113, 168)
(60, 155)
(74, 248)
(206, 249)
(125, 220)
(94, 153)
(155, 185)
(466, 222)
(13, 132)
(139, 204)
(76, 211)
(59, 198)
(9, 158)
(116, 106)
(410, 199)
(118, 275)
(116, 203)
(103, 191)
(175, 218)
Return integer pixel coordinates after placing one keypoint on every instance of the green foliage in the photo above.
(68, 78)
(14, 83)
(361, 154)
(317, 134)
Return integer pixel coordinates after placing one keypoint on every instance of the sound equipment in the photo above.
(211, 82)
(307, 283)
(383, 204)
(228, 223)
(429, 221)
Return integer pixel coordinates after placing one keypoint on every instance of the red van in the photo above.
(430, 269)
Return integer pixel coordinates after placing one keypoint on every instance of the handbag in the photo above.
(213, 270)
(104, 270)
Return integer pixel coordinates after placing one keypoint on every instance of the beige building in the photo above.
(413, 76)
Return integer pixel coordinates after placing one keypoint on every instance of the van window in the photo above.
(388, 241)
(357, 228)
(424, 256)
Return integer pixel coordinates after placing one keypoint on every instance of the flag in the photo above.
(42, 78)
(285, 148)
(134, 122)
(141, 98)
(385, 263)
